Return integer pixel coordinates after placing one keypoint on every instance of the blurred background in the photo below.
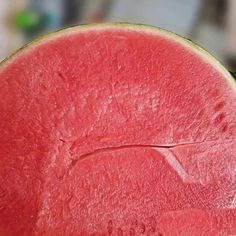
(210, 23)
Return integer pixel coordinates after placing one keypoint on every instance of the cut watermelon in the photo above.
(116, 129)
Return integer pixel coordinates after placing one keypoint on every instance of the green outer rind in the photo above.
(205, 55)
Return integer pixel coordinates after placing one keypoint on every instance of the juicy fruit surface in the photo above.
(116, 131)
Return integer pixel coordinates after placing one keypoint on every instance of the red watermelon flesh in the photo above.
(104, 127)
(197, 222)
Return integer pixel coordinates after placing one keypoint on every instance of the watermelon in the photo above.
(116, 129)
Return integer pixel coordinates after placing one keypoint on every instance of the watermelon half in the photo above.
(116, 129)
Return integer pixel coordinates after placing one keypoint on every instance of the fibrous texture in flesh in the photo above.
(116, 130)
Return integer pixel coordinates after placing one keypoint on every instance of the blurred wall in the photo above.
(3, 28)
(177, 16)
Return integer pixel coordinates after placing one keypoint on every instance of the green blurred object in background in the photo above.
(27, 20)
(31, 23)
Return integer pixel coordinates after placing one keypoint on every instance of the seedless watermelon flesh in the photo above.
(116, 129)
